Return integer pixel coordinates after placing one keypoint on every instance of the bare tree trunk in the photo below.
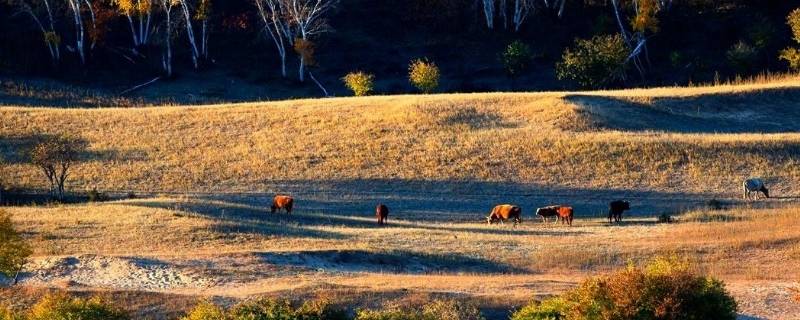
(75, 6)
(488, 11)
(190, 33)
(318, 84)
(133, 31)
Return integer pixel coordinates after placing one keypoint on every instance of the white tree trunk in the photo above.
(488, 11)
(75, 6)
(133, 31)
(190, 33)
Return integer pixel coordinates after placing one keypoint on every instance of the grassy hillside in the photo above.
(694, 140)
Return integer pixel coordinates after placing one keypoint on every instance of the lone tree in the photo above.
(792, 54)
(14, 251)
(55, 155)
(423, 75)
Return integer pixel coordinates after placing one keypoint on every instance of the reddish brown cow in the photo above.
(504, 212)
(382, 213)
(282, 202)
(565, 214)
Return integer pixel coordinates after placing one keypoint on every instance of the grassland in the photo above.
(440, 162)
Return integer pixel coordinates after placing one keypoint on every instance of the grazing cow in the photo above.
(504, 212)
(754, 185)
(565, 214)
(549, 211)
(616, 208)
(282, 202)
(382, 213)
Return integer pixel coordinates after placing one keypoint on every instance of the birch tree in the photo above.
(141, 10)
(202, 15)
(41, 13)
(276, 27)
(77, 8)
(308, 17)
(184, 7)
(488, 12)
(645, 20)
(166, 59)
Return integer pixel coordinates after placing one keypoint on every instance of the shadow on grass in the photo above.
(762, 111)
(396, 261)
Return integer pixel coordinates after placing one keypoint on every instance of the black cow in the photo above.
(616, 208)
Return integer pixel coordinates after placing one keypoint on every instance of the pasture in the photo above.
(205, 176)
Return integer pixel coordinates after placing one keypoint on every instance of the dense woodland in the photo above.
(309, 45)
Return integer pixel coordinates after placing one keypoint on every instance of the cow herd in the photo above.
(505, 212)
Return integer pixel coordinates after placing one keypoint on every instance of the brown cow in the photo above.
(282, 202)
(565, 214)
(504, 212)
(546, 212)
(382, 213)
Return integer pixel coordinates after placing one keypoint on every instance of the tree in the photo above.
(54, 156)
(516, 58)
(166, 59)
(142, 10)
(77, 9)
(280, 31)
(203, 14)
(42, 8)
(594, 63)
(361, 83)
(308, 17)
(423, 75)
(14, 250)
(742, 57)
(190, 32)
(791, 54)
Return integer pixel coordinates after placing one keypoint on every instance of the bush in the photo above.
(63, 307)
(272, 309)
(423, 75)
(97, 196)
(435, 310)
(793, 20)
(14, 250)
(516, 58)
(664, 289)
(205, 311)
(791, 56)
(741, 56)
(594, 63)
(359, 82)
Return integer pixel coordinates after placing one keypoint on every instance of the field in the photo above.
(203, 177)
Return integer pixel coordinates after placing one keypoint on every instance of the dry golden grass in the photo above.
(548, 139)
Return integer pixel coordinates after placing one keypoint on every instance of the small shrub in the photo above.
(14, 250)
(391, 314)
(741, 56)
(516, 58)
(666, 288)
(594, 63)
(423, 75)
(320, 310)
(791, 56)
(359, 82)
(205, 310)
(268, 309)
(63, 307)
(451, 310)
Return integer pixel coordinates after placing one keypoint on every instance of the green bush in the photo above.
(423, 75)
(205, 311)
(665, 289)
(359, 82)
(63, 307)
(273, 309)
(792, 55)
(516, 58)
(742, 57)
(594, 63)
(435, 310)
(14, 250)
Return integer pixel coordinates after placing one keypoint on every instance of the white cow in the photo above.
(754, 185)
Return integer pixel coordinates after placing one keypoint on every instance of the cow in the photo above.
(549, 211)
(754, 185)
(565, 214)
(503, 213)
(382, 213)
(282, 202)
(615, 210)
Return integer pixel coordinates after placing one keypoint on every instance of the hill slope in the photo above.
(650, 140)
